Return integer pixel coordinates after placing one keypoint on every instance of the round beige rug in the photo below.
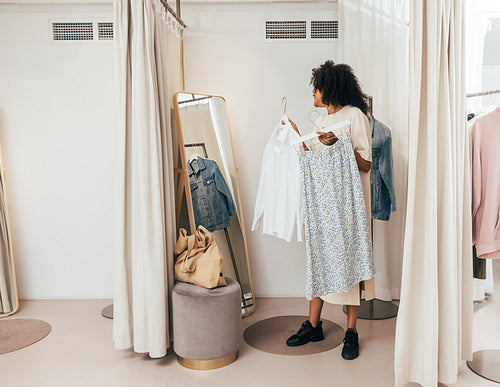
(270, 336)
(20, 332)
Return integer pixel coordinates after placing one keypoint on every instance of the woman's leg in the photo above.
(311, 329)
(315, 306)
(353, 310)
(352, 316)
(351, 341)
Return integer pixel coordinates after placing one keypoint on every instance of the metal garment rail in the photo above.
(176, 14)
(482, 93)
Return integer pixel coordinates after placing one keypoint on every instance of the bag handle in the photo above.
(188, 265)
(203, 234)
(181, 244)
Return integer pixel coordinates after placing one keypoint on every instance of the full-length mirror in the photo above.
(8, 289)
(212, 197)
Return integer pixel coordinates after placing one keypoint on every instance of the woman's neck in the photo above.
(333, 108)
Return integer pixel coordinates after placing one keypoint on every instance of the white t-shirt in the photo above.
(361, 140)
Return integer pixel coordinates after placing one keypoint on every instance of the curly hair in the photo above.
(339, 85)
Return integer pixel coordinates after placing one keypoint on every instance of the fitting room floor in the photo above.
(79, 352)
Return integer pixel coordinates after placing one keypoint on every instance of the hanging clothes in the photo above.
(361, 143)
(279, 204)
(383, 199)
(212, 202)
(484, 140)
(338, 245)
(478, 265)
(483, 281)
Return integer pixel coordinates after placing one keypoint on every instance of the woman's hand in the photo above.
(293, 126)
(328, 138)
(297, 130)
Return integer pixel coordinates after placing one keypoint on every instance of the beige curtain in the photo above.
(7, 283)
(148, 67)
(375, 42)
(434, 330)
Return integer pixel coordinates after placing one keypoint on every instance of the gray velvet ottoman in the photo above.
(206, 324)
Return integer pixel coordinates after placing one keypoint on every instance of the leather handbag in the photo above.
(199, 260)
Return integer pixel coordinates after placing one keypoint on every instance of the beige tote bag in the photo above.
(199, 260)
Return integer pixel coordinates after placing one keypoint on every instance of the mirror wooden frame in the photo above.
(184, 187)
(14, 284)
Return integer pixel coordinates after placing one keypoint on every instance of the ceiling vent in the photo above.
(72, 31)
(286, 29)
(105, 30)
(302, 30)
(82, 31)
(324, 29)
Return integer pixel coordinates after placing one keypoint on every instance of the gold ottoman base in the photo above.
(207, 364)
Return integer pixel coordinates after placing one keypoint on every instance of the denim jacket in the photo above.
(212, 201)
(383, 199)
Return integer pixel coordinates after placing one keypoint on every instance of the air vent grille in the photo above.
(72, 31)
(286, 30)
(105, 30)
(325, 29)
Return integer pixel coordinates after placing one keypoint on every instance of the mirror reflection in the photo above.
(213, 185)
(8, 291)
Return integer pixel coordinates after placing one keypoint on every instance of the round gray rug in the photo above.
(270, 336)
(21, 332)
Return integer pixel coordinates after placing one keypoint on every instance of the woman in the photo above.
(337, 89)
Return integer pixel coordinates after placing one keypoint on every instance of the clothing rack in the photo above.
(483, 93)
(370, 104)
(177, 13)
(486, 363)
(198, 145)
(193, 99)
(375, 309)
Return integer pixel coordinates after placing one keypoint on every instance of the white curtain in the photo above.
(477, 25)
(434, 325)
(148, 67)
(375, 42)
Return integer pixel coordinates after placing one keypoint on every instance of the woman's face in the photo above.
(318, 98)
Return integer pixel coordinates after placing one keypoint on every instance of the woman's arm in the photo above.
(363, 165)
(330, 139)
(297, 130)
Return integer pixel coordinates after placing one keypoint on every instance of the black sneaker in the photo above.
(306, 334)
(351, 345)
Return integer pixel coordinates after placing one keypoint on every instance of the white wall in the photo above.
(57, 139)
(491, 62)
(225, 54)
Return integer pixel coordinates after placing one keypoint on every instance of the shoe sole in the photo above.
(312, 340)
(349, 357)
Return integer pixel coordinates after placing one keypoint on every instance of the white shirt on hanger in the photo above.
(279, 204)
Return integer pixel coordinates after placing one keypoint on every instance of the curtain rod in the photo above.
(483, 93)
(173, 13)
